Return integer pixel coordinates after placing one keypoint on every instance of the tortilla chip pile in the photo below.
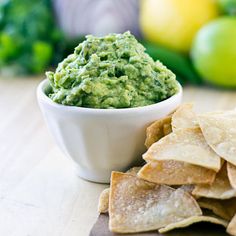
(189, 176)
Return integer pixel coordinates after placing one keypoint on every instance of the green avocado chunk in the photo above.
(111, 72)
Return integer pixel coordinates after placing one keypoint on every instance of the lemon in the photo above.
(214, 52)
(174, 23)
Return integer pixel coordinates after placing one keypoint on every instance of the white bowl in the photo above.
(101, 140)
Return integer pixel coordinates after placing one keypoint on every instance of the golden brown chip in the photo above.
(219, 189)
(226, 209)
(136, 205)
(184, 117)
(157, 130)
(231, 229)
(167, 129)
(103, 203)
(231, 169)
(133, 170)
(187, 145)
(176, 173)
(192, 220)
(219, 130)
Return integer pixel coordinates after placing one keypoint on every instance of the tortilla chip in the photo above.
(194, 219)
(219, 130)
(231, 229)
(133, 170)
(157, 130)
(184, 117)
(136, 205)
(231, 169)
(187, 145)
(103, 203)
(176, 173)
(219, 189)
(226, 209)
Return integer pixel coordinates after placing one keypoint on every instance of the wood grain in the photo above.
(40, 192)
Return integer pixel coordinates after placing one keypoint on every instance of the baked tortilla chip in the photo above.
(219, 189)
(192, 220)
(231, 229)
(157, 130)
(219, 130)
(184, 117)
(187, 145)
(103, 203)
(176, 173)
(231, 169)
(226, 209)
(136, 205)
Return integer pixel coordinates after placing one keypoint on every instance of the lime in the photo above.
(228, 6)
(174, 23)
(214, 52)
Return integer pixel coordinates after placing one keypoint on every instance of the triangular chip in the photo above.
(187, 145)
(231, 169)
(136, 205)
(219, 189)
(226, 209)
(157, 130)
(176, 173)
(231, 229)
(184, 117)
(192, 220)
(103, 203)
(219, 130)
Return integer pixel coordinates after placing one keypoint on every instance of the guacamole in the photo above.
(110, 72)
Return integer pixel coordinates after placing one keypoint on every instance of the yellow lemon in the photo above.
(174, 23)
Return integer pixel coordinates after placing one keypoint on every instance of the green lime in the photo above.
(228, 6)
(214, 52)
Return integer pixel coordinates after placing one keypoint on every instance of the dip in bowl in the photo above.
(100, 100)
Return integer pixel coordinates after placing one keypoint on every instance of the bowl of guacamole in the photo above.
(110, 72)
(100, 99)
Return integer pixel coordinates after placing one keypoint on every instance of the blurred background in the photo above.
(195, 39)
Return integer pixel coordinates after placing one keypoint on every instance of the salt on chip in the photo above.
(231, 169)
(172, 172)
(192, 220)
(219, 189)
(231, 229)
(157, 130)
(184, 117)
(219, 130)
(136, 205)
(226, 209)
(103, 203)
(187, 145)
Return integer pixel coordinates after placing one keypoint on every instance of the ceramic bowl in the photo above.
(101, 140)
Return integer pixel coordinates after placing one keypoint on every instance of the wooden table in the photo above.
(40, 193)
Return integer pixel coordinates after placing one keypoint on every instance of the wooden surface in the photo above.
(40, 192)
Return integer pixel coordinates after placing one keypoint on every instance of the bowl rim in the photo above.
(42, 97)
